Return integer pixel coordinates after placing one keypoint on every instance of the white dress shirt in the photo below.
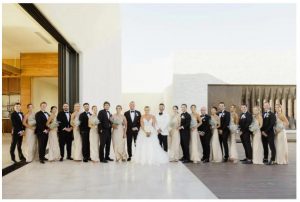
(163, 123)
(132, 114)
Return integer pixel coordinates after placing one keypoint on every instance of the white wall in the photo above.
(44, 89)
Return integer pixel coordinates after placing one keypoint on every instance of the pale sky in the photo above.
(151, 33)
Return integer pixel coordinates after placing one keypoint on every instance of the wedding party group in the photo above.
(158, 138)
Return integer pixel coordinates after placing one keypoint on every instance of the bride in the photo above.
(148, 150)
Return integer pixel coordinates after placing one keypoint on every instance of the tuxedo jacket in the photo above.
(16, 122)
(205, 126)
(105, 123)
(64, 122)
(41, 121)
(269, 121)
(136, 121)
(245, 121)
(84, 122)
(185, 121)
(224, 120)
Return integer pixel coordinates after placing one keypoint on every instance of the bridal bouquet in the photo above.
(193, 123)
(279, 126)
(147, 130)
(212, 123)
(31, 121)
(233, 128)
(54, 124)
(254, 126)
(96, 122)
(76, 122)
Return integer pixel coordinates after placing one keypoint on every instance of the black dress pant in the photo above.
(185, 142)
(16, 141)
(223, 138)
(85, 138)
(130, 135)
(65, 138)
(42, 144)
(105, 141)
(205, 142)
(246, 141)
(269, 140)
(163, 141)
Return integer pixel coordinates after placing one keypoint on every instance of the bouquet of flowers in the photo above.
(212, 123)
(254, 126)
(54, 124)
(31, 121)
(147, 130)
(193, 123)
(279, 126)
(96, 121)
(76, 122)
(233, 127)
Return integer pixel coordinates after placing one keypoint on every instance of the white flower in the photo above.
(31, 122)
(53, 125)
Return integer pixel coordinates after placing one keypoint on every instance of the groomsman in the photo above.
(244, 123)
(17, 132)
(267, 130)
(184, 129)
(65, 131)
(163, 120)
(42, 130)
(224, 130)
(133, 125)
(104, 129)
(205, 134)
(85, 132)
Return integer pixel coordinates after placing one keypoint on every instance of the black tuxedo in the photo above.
(244, 123)
(104, 128)
(185, 122)
(131, 124)
(224, 127)
(205, 128)
(65, 137)
(269, 121)
(17, 127)
(85, 134)
(42, 136)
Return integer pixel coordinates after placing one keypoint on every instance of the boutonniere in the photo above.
(243, 116)
(136, 114)
(182, 117)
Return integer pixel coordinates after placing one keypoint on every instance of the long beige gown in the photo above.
(257, 146)
(77, 151)
(216, 152)
(174, 138)
(31, 139)
(94, 138)
(233, 154)
(118, 139)
(281, 143)
(53, 144)
(194, 142)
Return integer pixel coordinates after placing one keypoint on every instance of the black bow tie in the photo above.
(45, 113)
(131, 111)
(67, 112)
(160, 113)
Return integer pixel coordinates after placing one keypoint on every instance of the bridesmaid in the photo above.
(258, 150)
(195, 139)
(31, 139)
(281, 143)
(54, 151)
(77, 156)
(119, 134)
(174, 136)
(94, 136)
(233, 126)
(216, 152)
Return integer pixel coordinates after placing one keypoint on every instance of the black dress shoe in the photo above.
(247, 162)
(225, 160)
(70, 158)
(182, 159)
(41, 161)
(265, 161)
(85, 160)
(14, 160)
(202, 159)
(206, 161)
(243, 160)
(61, 159)
(109, 159)
(104, 161)
(129, 159)
(45, 159)
(23, 158)
(89, 159)
(186, 161)
(271, 163)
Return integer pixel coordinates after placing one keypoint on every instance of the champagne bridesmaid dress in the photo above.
(77, 139)
(257, 151)
(94, 138)
(194, 142)
(174, 138)
(118, 139)
(31, 139)
(281, 143)
(216, 152)
(54, 151)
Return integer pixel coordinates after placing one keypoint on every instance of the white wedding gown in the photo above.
(148, 151)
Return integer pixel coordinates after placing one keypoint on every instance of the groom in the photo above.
(184, 129)
(133, 125)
